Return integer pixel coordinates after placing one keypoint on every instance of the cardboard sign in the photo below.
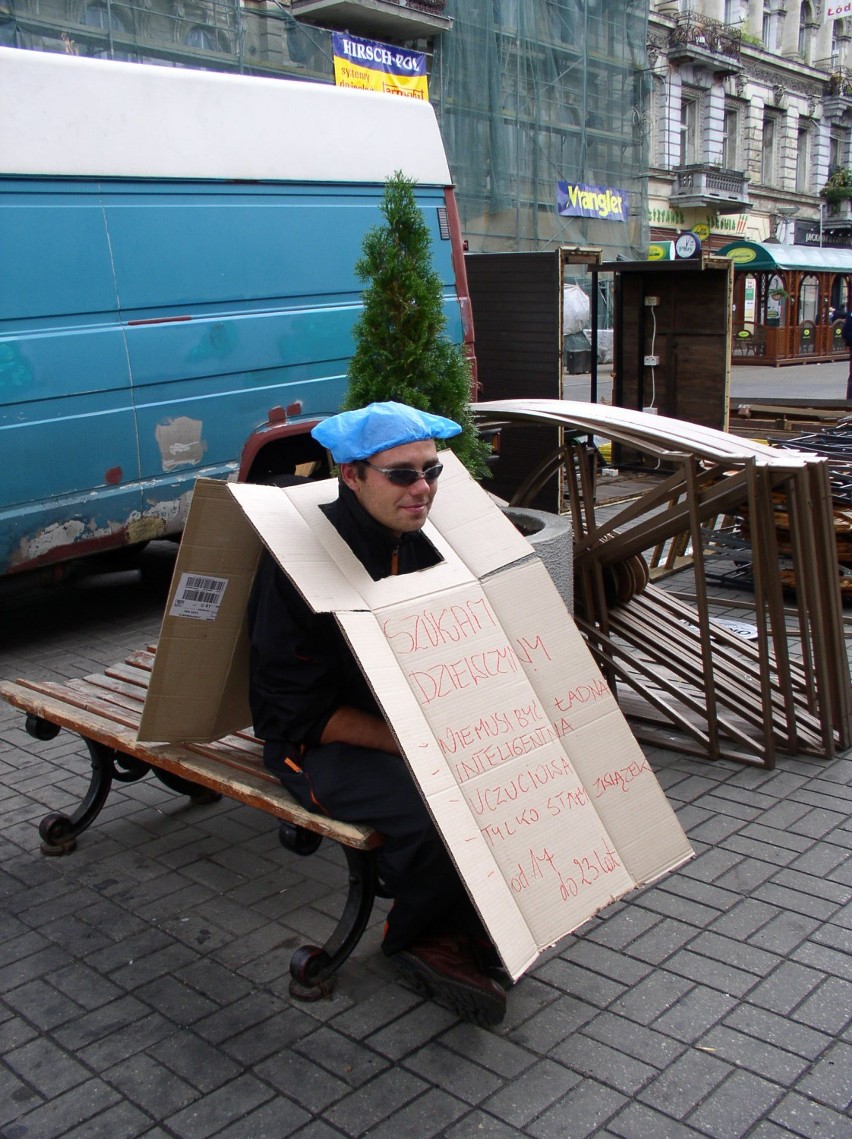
(540, 791)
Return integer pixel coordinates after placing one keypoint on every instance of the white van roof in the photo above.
(64, 115)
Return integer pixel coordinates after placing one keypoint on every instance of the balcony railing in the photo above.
(702, 185)
(702, 40)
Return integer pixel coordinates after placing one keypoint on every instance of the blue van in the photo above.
(177, 286)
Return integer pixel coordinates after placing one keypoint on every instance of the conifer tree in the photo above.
(401, 351)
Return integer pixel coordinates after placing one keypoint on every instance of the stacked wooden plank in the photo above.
(685, 680)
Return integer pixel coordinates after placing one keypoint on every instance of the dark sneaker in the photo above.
(444, 968)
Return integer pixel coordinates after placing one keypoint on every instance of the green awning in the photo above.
(754, 256)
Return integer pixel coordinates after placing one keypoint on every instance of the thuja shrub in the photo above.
(402, 352)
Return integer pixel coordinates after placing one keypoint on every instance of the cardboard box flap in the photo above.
(572, 696)
(197, 688)
(477, 529)
(486, 883)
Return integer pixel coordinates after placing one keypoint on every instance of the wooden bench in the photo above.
(104, 709)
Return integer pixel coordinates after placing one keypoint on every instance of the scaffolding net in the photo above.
(529, 94)
(533, 94)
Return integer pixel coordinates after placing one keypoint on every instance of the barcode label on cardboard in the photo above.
(198, 597)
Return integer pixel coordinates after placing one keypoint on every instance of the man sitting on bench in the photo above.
(324, 734)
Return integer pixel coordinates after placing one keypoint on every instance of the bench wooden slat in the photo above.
(61, 705)
(131, 701)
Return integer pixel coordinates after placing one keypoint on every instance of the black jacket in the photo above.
(301, 668)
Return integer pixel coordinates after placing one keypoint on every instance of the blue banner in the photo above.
(575, 199)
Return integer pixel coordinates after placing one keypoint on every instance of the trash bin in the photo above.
(578, 361)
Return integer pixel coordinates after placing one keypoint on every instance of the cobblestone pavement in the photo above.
(143, 980)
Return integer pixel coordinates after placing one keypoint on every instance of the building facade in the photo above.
(749, 115)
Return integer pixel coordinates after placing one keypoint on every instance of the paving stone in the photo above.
(601, 1062)
(645, 1044)
(123, 1121)
(695, 1014)
(150, 1085)
(830, 1080)
(666, 904)
(808, 1119)
(64, 1112)
(414, 1029)
(637, 1121)
(829, 1009)
(777, 1030)
(828, 960)
(645, 1001)
(715, 974)
(458, 1075)
(734, 952)
(532, 1094)
(429, 1115)
(579, 1114)
(44, 1066)
(196, 1061)
(686, 1084)
(733, 1109)
(568, 977)
(43, 1005)
(551, 1025)
(16, 1097)
(776, 1064)
(175, 1000)
(127, 1041)
(621, 929)
(601, 958)
(275, 1119)
(365, 1107)
(785, 933)
(213, 1112)
(481, 1125)
(786, 988)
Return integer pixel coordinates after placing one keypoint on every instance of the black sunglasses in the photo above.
(406, 476)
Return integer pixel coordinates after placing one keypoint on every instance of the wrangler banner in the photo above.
(576, 200)
(379, 67)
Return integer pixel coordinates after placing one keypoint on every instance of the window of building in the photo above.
(837, 35)
(770, 148)
(689, 150)
(806, 22)
(99, 15)
(838, 149)
(768, 31)
(730, 139)
(803, 159)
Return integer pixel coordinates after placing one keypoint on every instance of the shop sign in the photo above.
(661, 251)
(741, 255)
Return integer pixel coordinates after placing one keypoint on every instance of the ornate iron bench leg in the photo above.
(312, 969)
(59, 832)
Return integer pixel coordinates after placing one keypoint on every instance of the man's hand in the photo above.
(352, 726)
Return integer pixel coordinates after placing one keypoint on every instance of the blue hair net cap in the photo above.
(361, 433)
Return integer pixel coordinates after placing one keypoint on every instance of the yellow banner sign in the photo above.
(379, 67)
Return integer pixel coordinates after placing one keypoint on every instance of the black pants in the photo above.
(357, 785)
(849, 378)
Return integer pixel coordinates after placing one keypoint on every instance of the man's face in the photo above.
(401, 508)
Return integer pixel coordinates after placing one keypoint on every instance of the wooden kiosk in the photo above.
(789, 302)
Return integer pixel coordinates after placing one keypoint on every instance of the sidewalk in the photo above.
(799, 381)
(143, 979)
